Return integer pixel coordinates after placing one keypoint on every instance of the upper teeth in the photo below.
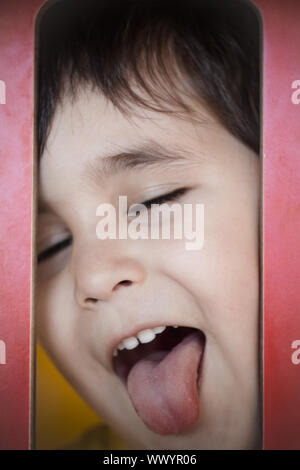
(144, 336)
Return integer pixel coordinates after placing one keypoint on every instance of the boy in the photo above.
(158, 101)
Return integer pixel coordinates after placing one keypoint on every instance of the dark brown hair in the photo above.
(153, 53)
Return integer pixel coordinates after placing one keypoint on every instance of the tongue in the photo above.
(163, 387)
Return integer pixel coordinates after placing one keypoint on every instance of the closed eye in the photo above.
(57, 247)
(172, 196)
(54, 249)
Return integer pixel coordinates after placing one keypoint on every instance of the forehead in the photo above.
(89, 126)
(91, 140)
(87, 109)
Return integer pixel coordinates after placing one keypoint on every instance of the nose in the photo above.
(100, 272)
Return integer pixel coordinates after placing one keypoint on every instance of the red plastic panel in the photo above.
(16, 140)
(281, 223)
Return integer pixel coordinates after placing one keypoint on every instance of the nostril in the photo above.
(88, 301)
(91, 300)
(125, 283)
(122, 283)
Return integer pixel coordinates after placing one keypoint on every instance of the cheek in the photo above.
(223, 279)
(56, 316)
(65, 333)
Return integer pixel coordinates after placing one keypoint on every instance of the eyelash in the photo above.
(172, 196)
(54, 249)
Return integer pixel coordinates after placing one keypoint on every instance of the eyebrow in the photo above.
(146, 156)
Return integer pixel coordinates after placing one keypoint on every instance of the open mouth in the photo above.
(162, 378)
(161, 345)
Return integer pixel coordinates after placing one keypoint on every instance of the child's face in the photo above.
(85, 309)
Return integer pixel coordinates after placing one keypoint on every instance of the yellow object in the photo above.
(98, 438)
(63, 419)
